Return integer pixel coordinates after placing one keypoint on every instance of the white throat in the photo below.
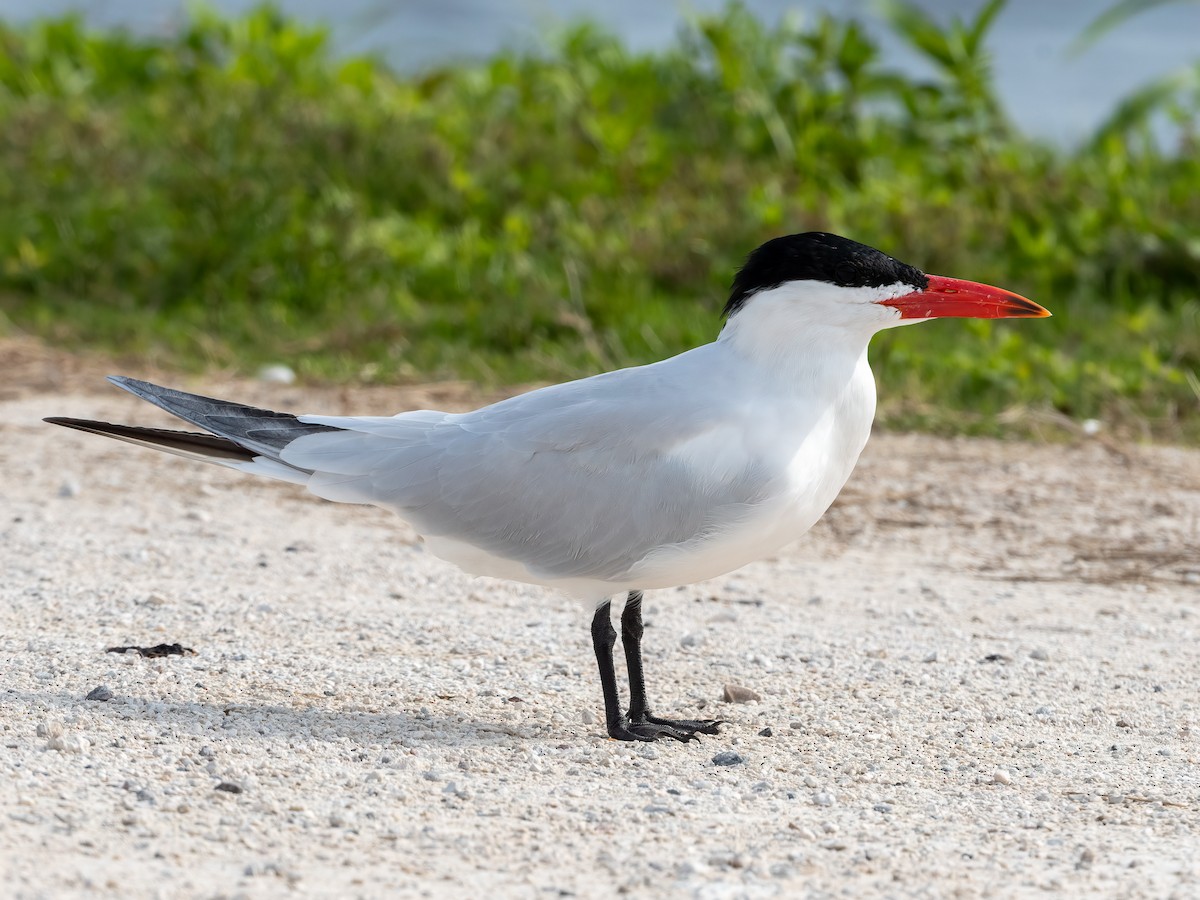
(811, 328)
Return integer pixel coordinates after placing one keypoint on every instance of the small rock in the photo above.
(277, 374)
(823, 798)
(1039, 654)
(1091, 427)
(737, 694)
(766, 732)
(1123, 723)
(70, 743)
(49, 729)
(589, 718)
(229, 787)
(102, 693)
(69, 488)
(1001, 777)
(728, 758)
(931, 657)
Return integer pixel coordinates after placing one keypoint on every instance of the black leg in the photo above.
(631, 640)
(603, 638)
(639, 707)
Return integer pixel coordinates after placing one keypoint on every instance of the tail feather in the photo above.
(260, 430)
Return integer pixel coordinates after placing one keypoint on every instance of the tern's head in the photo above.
(820, 279)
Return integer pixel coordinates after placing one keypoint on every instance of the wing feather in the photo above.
(541, 478)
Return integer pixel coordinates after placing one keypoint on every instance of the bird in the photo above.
(641, 478)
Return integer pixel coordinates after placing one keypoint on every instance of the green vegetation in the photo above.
(234, 194)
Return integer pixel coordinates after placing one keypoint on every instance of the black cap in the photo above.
(818, 256)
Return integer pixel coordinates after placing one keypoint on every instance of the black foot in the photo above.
(651, 728)
(700, 726)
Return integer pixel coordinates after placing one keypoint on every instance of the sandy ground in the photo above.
(979, 677)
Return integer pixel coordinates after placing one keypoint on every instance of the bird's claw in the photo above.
(651, 728)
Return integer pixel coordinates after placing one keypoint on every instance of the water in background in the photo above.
(1045, 90)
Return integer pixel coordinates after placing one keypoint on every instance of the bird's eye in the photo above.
(846, 273)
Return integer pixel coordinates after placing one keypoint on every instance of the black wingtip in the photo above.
(133, 385)
(183, 443)
(62, 420)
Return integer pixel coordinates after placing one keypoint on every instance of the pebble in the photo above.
(69, 488)
(735, 693)
(728, 758)
(70, 743)
(930, 657)
(229, 787)
(588, 717)
(101, 693)
(766, 732)
(1001, 777)
(1039, 654)
(277, 374)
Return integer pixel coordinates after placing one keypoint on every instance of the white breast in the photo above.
(815, 462)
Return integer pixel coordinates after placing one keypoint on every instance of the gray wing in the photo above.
(578, 480)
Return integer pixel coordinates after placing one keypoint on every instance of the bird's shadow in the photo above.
(307, 723)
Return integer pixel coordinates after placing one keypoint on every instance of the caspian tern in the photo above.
(648, 477)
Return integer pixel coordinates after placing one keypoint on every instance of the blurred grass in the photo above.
(233, 194)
